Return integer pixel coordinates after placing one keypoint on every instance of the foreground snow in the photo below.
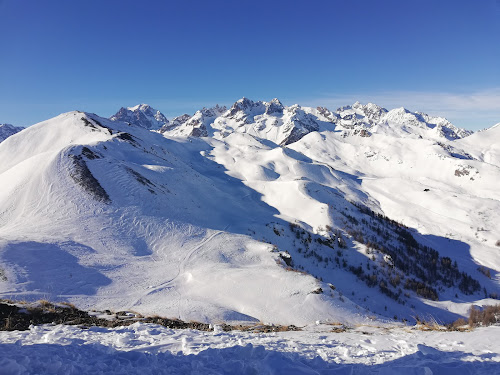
(151, 349)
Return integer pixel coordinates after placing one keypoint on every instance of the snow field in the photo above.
(150, 349)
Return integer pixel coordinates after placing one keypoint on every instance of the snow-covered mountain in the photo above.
(370, 118)
(257, 212)
(6, 130)
(484, 145)
(267, 120)
(195, 125)
(285, 125)
(141, 115)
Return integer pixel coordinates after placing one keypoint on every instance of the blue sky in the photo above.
(440, 57)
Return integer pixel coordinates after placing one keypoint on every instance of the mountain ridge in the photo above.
(285, 125)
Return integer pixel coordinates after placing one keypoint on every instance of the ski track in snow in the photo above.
(181, 268)
(151, 349)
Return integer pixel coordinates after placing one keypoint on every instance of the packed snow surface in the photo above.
(150, 349)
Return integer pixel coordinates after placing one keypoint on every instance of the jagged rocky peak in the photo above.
(326, 114)
(298, 125)
(363, 120)
(212, 112)
(142, 115)
(195, 125)
(220, 109)
(371, 111)
(287, 124)
(268, 120)
(444, 127)
(6, 130)
(176, 122)
(244, 105)
(181, 119)
(274, 107)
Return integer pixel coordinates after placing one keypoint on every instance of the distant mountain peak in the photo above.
(6, 130)
(241, 105)
(142, 115)
(360, 119)
(274, 106)
(140, 107)
(196, 125)
(286, 124)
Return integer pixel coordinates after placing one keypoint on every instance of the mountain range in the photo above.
(257, 212)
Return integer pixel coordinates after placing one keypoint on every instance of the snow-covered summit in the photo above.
(6, 130)
(371, 112)
(274, 106)
(141, 115)
(196, 125)
(400, 122)
(268, 120)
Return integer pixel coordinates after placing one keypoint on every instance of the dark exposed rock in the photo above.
(128, 138)
(81, 174)
(15, 317)
(274, 107)
(299, 130)
(139, 177)
(89, 154)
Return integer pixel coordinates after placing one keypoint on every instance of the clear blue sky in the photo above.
(440, 57)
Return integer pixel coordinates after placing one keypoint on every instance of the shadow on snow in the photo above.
(75, 356)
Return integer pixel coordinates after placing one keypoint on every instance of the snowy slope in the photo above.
(257, 212)
(6, 130)
(106, 214)
(484, 145)
(311, 181)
